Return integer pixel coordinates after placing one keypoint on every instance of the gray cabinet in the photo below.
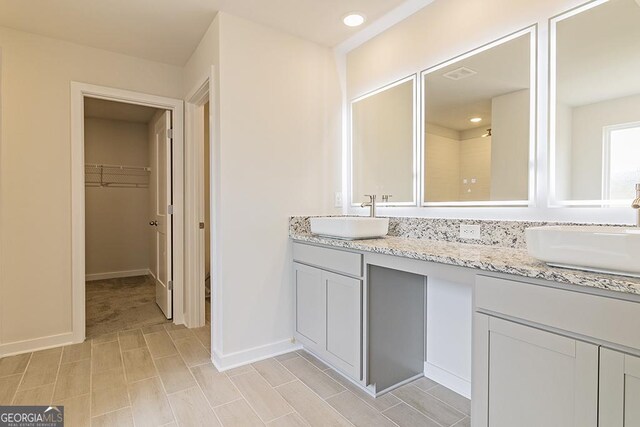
(328, 310)
(536, 378)
(310, 297)
(619, 389)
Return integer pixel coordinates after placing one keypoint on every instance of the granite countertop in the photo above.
(483, 257)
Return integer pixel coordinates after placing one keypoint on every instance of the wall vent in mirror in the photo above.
(478, 125)
(595, 104)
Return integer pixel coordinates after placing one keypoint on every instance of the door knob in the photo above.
(154, 223)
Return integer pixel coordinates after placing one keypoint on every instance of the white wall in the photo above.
(563, 141)
(277, 127)
(116, 218)
(587, 137)
(510, 146)
(35, 171)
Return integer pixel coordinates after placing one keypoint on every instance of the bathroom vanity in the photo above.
(555, 347)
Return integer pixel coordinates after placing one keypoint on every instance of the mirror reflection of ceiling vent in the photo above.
(459, 73)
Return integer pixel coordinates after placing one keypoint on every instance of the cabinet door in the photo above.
(310, 306)
(619, 389)
(537, 378)
(344, 322)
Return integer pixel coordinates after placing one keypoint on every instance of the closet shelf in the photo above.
(101, 175)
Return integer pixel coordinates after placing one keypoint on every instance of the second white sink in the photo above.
(350, 227)
(598, 248)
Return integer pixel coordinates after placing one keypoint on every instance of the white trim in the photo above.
(206, 88)
(551, 107)
(36, 344)
(194, 208)
(78, 92)
(447, 379)
(606, 160)
(224, 362)
(117, 274)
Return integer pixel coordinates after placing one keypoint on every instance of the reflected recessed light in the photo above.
(353, 19)
(475, 119)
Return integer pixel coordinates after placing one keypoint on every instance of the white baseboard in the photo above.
(43, 343)
(117, 274)
(447, 379)
(224, 362)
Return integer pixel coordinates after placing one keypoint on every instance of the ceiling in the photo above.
(500, 70)
(598, 54)
(168, 31)
(101, 109)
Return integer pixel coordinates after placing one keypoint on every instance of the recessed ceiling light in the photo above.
(475, 119)
(353, 19)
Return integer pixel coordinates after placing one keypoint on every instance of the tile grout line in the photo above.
(312, 391)
(13, 398)
(197, 384)
(440, 400)
(274, 388)
(126, 381)
(166, 395)
(450, 406)
(55, 382)
(416, 409)
(245, 398)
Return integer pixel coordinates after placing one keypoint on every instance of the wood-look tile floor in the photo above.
(162, 376)
(116, 304)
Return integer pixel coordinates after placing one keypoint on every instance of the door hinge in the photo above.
(170, 285)
(202, 226)
(170, 133)
(170, 210)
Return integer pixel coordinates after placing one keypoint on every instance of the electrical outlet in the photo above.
(337, 199)
(469, 231)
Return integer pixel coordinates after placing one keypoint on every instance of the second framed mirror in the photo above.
(479, 126)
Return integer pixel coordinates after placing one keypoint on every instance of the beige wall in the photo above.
(116, 218)
(382, 141)
(510, 146)
(442, 168)
(450, 158)
(475, 164)
(35, 170)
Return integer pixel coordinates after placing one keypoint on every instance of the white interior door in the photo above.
(161, 168)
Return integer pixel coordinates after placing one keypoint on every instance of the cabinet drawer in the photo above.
(329, 259)
(600, 317)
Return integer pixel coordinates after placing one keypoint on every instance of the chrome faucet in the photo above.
(371, 203)
(636, 204)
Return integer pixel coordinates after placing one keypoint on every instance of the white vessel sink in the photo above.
(595, 248)
(349, 227)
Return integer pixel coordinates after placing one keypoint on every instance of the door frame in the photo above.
(201, 93)
(79, 91)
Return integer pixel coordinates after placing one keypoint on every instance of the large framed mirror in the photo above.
(595, 104)
(478, 116)
(383, 145)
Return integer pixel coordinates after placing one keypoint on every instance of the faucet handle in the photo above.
(386, 197)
